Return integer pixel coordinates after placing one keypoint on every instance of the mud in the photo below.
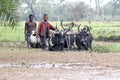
(36, 64)
(59, 71)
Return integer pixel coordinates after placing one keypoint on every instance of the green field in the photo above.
(100, 31)
(109, 31)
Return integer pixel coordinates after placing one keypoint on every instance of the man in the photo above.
(29, 26)
(43, 30)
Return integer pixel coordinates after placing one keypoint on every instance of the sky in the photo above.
(87, 1)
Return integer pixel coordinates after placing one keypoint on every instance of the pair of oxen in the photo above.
(66, 38)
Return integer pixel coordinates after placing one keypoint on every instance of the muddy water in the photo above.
(54, 65)
(86, 71)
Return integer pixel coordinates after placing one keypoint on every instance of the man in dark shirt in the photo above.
(43, 30)
(29, 26)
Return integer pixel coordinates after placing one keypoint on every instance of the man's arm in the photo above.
(25, 29)
(39, 27)
(35, 25)
(51, 27)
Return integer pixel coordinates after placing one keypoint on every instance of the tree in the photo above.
(42, 7)
(116, 5)
(58, 7)
(90, 13)
(79, 10)
(29, 4)
(8, 12)
(112, 10)
(99, 4)
(37, 7)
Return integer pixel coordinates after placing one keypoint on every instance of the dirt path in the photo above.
(36, 64)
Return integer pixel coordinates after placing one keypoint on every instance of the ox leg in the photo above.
(69, 44)
(91, 45)
(67, 41)
(49, 46)
(74, 43)
(61, 47)
(85, 47)
(35, 45)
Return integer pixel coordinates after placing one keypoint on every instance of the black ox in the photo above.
(60, 39)
(84, 38)
(57, 40)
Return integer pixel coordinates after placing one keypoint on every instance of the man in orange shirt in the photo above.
(43, 30)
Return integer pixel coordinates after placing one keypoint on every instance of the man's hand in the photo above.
(25, 37)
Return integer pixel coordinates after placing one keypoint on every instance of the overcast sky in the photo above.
(87, 1)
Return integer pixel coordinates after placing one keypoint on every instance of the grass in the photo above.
(9, 35)
(106, 33)
(106, 47)
(100, 31)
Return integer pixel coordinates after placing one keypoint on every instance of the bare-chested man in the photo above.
(29, 26)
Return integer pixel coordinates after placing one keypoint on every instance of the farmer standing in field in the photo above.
(43, 30)
(29, 26)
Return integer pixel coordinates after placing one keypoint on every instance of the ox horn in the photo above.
(79, 28)
(62, 25)
(57, 28)
(87, 28)
(72, 25)
(68, 29)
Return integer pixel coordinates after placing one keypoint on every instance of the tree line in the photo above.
(72, 11)
(11, 11)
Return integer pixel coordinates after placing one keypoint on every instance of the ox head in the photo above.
(65, 30)
(33, 33)
(61, 34)
(70, 25)
(83, 33)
